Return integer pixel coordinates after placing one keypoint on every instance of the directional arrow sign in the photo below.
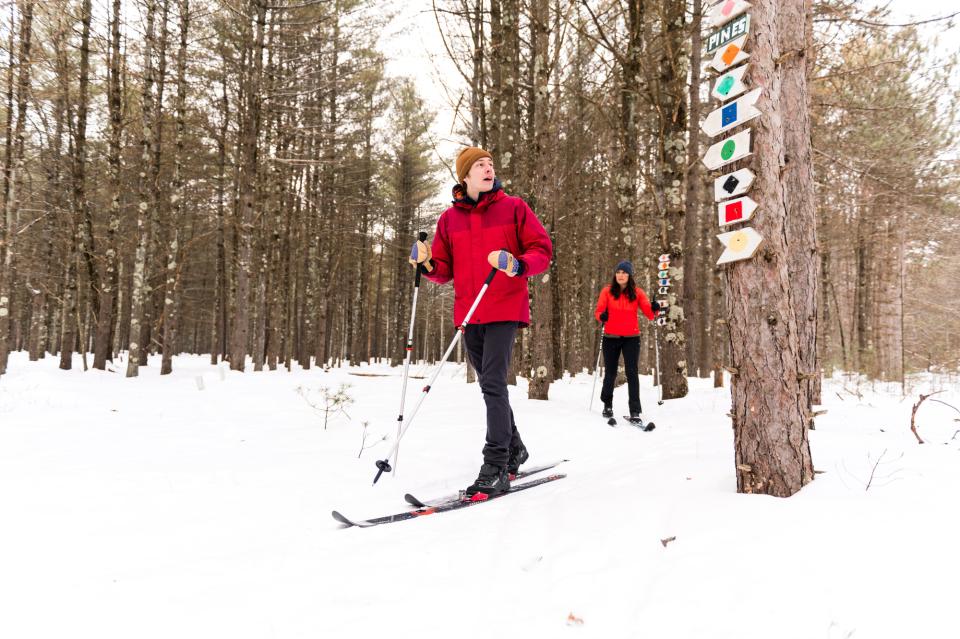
(739, 245)
(730, 55)
(726, 151)
(725, 11)
(738, 210)
(732, 115)
(730, 85)
(728, 33)
(733, 184)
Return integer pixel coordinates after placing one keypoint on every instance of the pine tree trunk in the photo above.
(15, 182)
(102, 346)
(672, 159)
(543, 334)
(795, 44)
(219, 324)
(171, 306)
(694, 287)
(145, 201)
(239, 341)
(770, 409)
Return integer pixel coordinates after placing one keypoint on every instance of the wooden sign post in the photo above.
(728, 33)
(726, 151)
(733, 184)
(730, 55)
(732, 115)
(730, 84)
(725, 11)
(735, 211)
(739, 245)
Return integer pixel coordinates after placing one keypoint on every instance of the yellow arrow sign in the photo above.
(739, 245)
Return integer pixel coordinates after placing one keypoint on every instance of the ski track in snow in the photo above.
(149, 508)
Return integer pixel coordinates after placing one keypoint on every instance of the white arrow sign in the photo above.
(728, 33)
(734, 211)
(725, 11)
(733, 184)
(730, 55)
(726, 151)
(730, 85)
(732, 115)
(739, 245)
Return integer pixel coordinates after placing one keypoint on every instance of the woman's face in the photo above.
(622, 277)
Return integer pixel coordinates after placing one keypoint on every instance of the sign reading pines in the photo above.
(728, 33)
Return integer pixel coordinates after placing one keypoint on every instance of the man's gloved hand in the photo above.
(604, 316)
(506, 262)
(420, 254)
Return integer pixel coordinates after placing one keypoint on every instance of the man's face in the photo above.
(480, 177)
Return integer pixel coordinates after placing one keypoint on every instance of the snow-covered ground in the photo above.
(154, 508)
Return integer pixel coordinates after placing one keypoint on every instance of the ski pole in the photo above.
(383, 465)
(596, 369)
(656, 353)
(406, 360)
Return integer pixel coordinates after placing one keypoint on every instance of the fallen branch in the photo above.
(913, 415)
(872, 472)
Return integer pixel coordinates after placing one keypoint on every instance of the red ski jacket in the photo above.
(467, 232)
(622, 313)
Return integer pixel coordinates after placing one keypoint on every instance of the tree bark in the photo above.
(248, 174)
(770, 409)
(171, 302)
(145, 200)
(15, 183)
(671, 160)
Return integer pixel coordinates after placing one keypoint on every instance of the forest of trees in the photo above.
(244, 179)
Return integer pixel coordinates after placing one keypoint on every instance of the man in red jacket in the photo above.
(486, 227)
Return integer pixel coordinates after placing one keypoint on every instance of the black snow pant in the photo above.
(630, 347)
(489, 347)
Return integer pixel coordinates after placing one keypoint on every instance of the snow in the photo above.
(160, 507)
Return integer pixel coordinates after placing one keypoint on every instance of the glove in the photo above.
(420, 254)
(506, 262)
(604, 316)
(655, 305)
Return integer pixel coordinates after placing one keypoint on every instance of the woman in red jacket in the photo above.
(617, 309)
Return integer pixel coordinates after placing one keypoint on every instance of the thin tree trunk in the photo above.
(250, 130)
(145, 201)
(172, 297)
(102, 350)
(694, 287)
(16, 181)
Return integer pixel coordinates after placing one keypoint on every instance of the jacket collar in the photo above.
(461, 199)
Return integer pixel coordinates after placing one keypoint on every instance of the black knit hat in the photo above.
(626, 267)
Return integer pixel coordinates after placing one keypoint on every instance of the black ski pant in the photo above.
(489, 347)
(630, 347)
